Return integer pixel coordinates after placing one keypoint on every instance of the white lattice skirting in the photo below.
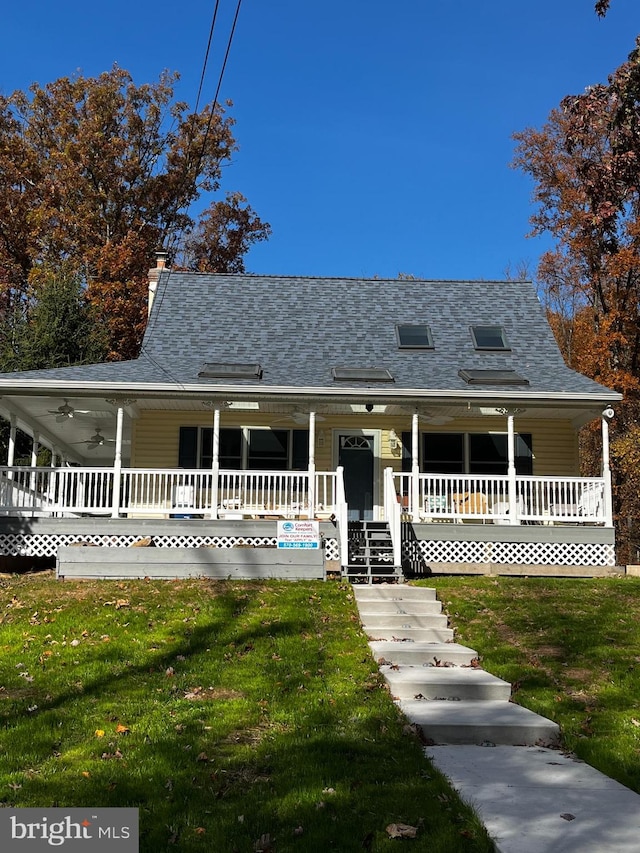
(513, 553)
(46, 545)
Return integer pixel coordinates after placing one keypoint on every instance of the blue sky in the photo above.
(375, 137)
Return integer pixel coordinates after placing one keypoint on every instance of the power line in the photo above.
(206, 56)
(179, 236)
(215, 97)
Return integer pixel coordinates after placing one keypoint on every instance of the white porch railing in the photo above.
(452, 497)
(285, 494)
(393, 514)
(458, 497)
(74, 491)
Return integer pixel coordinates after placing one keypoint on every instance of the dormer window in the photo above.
(414, 336)
(489, 338)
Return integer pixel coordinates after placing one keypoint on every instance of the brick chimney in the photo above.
(154, 277)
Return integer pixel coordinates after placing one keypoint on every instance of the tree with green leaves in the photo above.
(98, 173)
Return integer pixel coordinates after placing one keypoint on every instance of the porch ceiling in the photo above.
(90, 413)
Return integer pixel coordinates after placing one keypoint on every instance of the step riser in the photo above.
(475, 722)
(450, 692)
(399, 608)
(393, 592)
(423, 655)
(405, 620)
(499, 735)
(421, 635)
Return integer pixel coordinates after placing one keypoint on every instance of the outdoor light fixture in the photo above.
(369, 407)
(321, 438)
(393, 439)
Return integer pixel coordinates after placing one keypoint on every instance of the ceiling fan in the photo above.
(98, 440)
(66, 411)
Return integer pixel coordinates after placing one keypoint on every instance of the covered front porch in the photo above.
(432, 517)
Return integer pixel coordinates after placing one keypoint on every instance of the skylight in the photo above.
(229, 370)
(362, 374)
(489, 337)
(414, 336)
(492, 377)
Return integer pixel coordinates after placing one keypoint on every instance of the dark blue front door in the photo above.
(355, 455)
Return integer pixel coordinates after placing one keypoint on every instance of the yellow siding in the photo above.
(156, 435)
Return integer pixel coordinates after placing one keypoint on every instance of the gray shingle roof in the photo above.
(298, 329)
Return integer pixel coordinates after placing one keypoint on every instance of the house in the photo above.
(428, 425)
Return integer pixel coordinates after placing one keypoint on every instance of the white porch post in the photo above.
(511, 471)
(415, 469)
(311, 495)
(215, 463)
(11, 449)
(34, 461)
(117, 464)
(606, 469)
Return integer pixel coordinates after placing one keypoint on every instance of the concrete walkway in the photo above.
(531, 797)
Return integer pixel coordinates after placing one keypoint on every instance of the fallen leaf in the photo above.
(635, 722)
(122, 602)
(122, 730)
(99, 732)
(86, 774)
(202, 757)
(263, 844)
(401, 830)
(107, 756)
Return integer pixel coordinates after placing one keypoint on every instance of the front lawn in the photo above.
(237, 716)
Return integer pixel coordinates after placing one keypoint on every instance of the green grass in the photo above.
(226, 712)
(570, 648)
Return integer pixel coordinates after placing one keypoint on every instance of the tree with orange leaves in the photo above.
(585, 163)
(98, 173)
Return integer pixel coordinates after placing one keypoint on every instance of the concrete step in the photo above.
(404, 620)
(439, 682)
(393, 592)
(368, 608)
(477, 722)
(422, 654)
(422, 635)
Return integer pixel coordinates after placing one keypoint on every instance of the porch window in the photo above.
(468, 453)
(443, 452)
(268, 449)
(488, 453)
(245, 448)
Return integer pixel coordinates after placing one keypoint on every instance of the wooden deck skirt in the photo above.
(85, 561)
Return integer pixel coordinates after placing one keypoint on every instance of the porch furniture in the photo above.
(470, 503)
(586, 503)
(436, 508)
(500, 509)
